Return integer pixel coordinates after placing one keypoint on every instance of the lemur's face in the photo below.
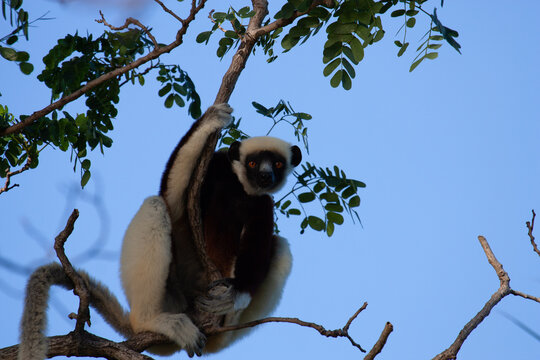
(262, 163)
(265, 170)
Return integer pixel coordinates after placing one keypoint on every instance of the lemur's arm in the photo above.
(186, 155)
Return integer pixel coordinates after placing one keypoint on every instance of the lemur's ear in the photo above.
(234, 151)
(296, 155)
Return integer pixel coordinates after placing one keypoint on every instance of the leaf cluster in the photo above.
(231, 38)
(178, 85)
(15, 149)
(18, 18)
(357, 25)
(432, 42)
(335, 193)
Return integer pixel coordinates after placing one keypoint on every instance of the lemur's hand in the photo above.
(220, 113)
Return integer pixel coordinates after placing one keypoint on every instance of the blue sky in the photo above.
(448, 152)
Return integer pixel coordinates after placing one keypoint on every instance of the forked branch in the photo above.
(504, 290)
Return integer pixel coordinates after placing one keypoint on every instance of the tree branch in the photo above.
(129, 21)
(377, 348)
(105, 77)
(9, 174)
(504, 290)
(343, 332)
(80, 288)
(530, 226)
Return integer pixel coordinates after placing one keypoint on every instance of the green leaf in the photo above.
(85, 178)
(285, 204)
(22, 56)
(319, 187)
(348, 192)
(8, 53)
(329, 229)
(403, 48)
(346, 81)
(357, 50)
(306, 197)
(397, 13)
(411, 22)
(26, 68)
(335, 218)
(231, 34)
(203, 37)
(416, 63)
(355, 201)
(294, 212)
(86, 164)
(350, 70)
(379, 35)
(336, 79)
(328, 69)
(164, 90)
(179, 101)
(169, 101)
(316, 223)
(432, 55)
(220, 16)
(333, 207)
(12, 40)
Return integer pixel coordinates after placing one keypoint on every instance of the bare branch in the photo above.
(167, 10)
(525, 296)
(129, 21)
(503, 290)
(9, 174)
(530, 226)
(80, 287)
(377, 348)
(343, 332)
(83, 344)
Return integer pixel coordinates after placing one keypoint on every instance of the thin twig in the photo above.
(129, 21)
(377, 348)
(343, 332)
(9, 174)
(530, 226)
(214, 21)
(167, 10)
(80, 287)
(525, 296)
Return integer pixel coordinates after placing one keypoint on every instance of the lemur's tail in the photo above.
(33, 342)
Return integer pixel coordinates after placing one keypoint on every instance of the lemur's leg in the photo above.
(145, 261)
(186, 155)
(263, 302)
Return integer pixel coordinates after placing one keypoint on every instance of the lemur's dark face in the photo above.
(265, 170)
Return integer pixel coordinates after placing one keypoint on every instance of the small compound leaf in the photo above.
(316, 223)
(306, 197)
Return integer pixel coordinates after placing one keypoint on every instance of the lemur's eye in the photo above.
(252, 164)
(279, 164)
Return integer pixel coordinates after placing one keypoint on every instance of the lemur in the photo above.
(162, 276)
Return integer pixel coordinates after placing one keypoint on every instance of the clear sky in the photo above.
(448, 152)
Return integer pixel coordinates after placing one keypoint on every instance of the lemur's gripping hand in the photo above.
(220, 113)
(222, 298)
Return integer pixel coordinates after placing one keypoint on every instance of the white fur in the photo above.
(187, 158)
(242, 301)
(256, 144)
(263, 303)
(144, 266)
